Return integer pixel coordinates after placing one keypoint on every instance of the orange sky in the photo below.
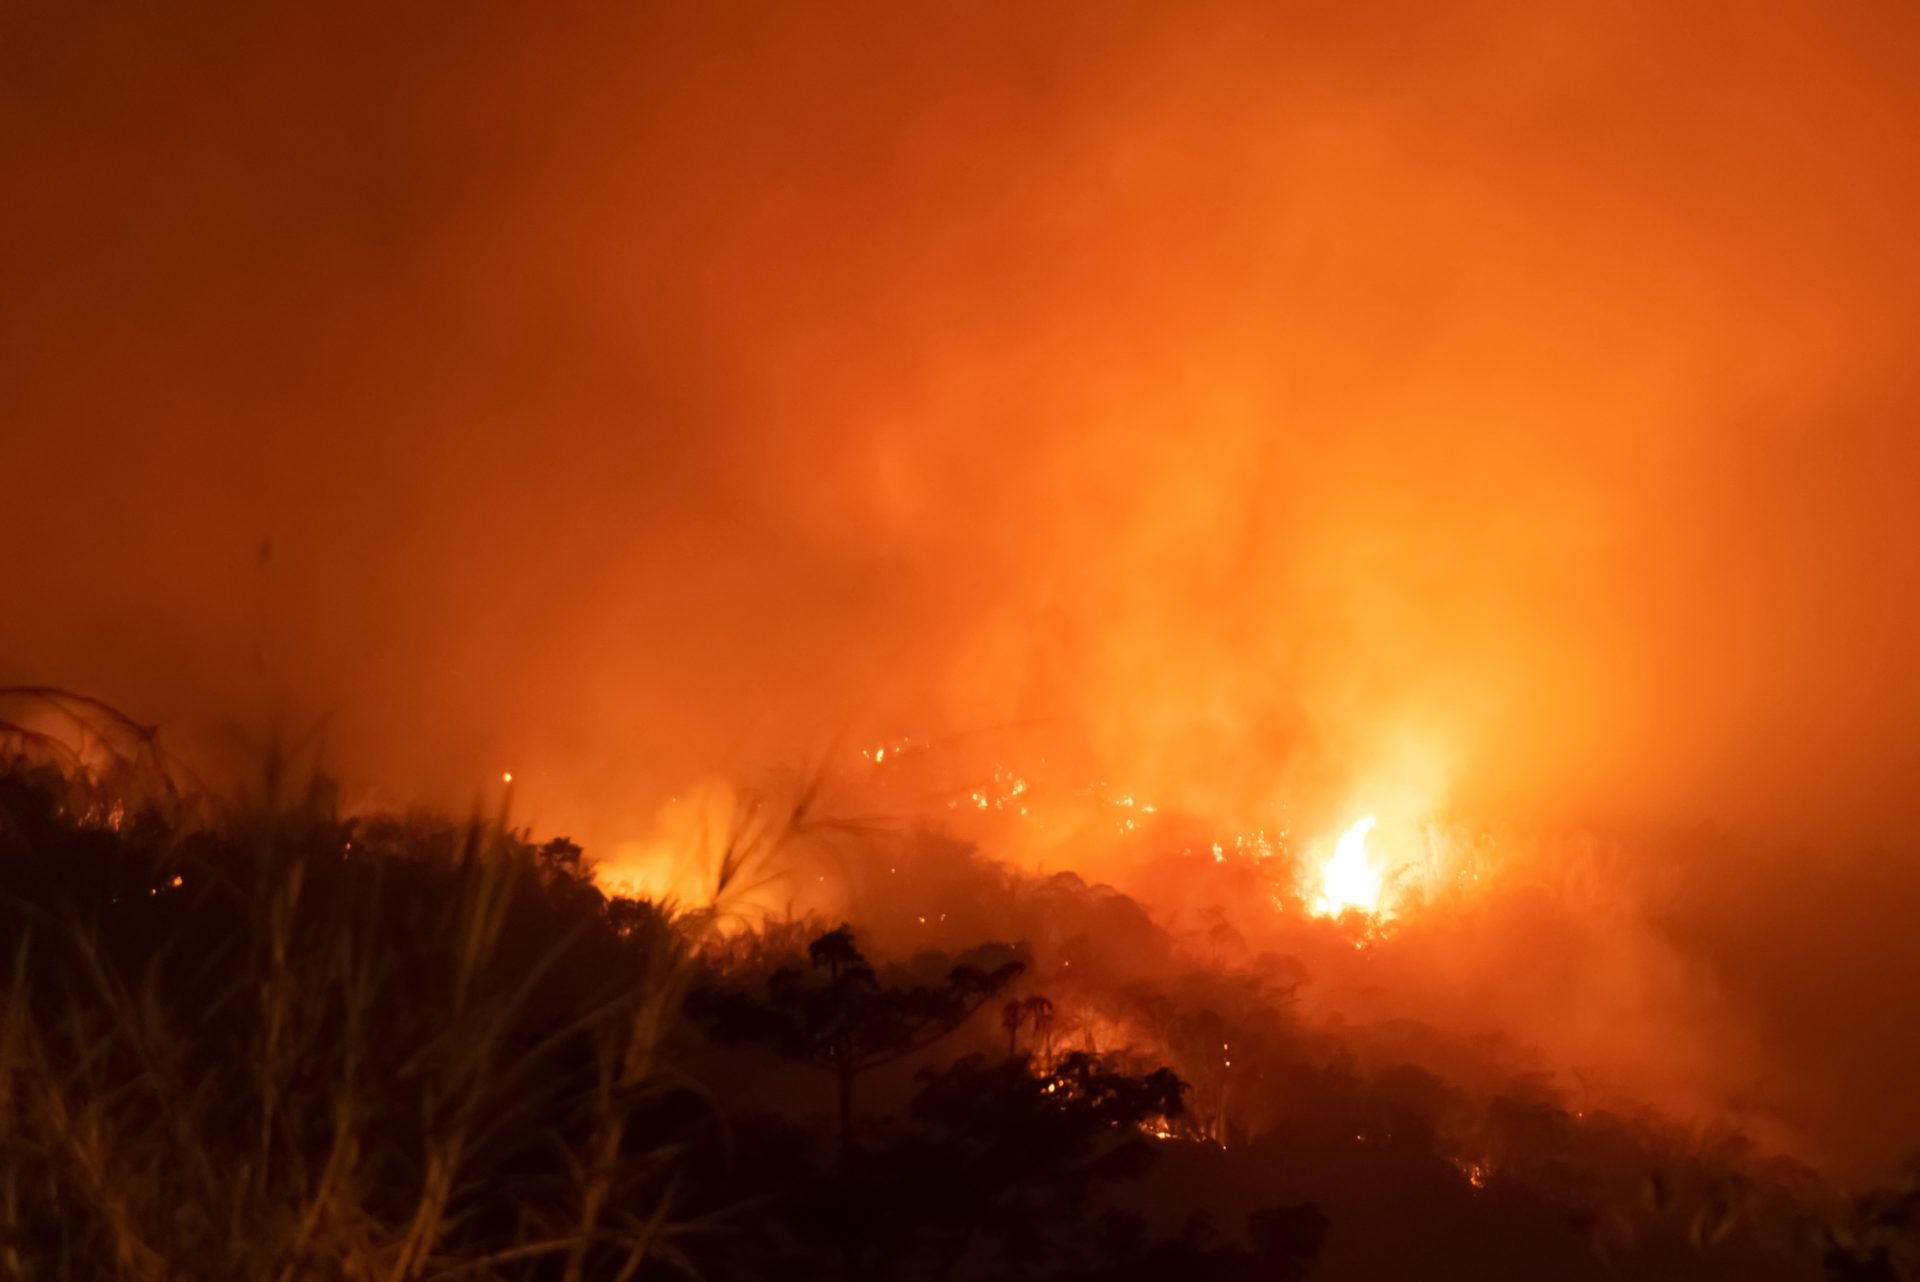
(1516, 401)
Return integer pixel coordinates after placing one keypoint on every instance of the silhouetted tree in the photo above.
(1034, 1012)
(991, 1174)
(843, 1017)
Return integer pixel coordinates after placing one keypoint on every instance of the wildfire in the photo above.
(1348, 880)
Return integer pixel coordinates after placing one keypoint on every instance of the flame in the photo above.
(1348, 880)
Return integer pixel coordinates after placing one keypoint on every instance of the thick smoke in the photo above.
(1454, 412)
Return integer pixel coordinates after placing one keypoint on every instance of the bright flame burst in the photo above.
(1348, 880)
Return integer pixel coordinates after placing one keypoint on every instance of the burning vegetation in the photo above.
(1224, 639)
(269, 1039)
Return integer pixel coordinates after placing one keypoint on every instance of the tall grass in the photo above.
(283, 1045)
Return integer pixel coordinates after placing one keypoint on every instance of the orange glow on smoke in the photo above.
(1150, 403)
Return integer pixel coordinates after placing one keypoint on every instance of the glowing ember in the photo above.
(1348, 880)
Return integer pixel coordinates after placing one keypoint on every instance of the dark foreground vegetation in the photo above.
(276, 1043)
(296, 1046)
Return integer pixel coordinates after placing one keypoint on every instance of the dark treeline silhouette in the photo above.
(993, 1169)
(848, 1021)
(268, 1041)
